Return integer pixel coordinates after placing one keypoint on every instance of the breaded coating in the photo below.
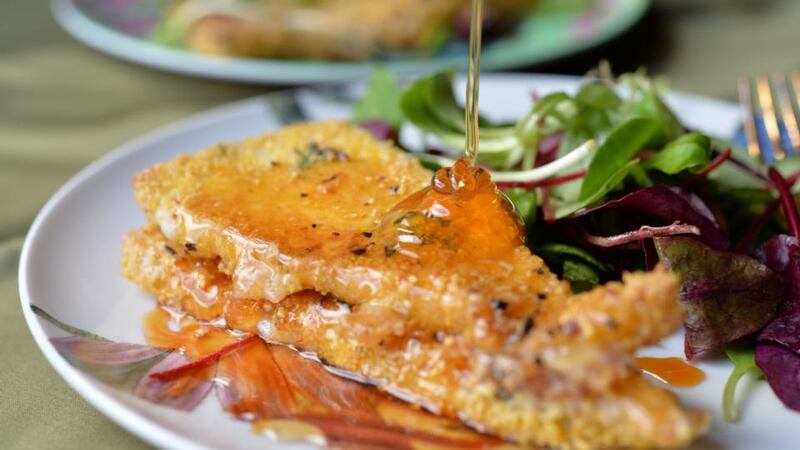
(444, 374)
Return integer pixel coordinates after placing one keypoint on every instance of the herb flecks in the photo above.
(358, 251)
(314, 154)
(526, 327)
(330, 179)
(498, 304)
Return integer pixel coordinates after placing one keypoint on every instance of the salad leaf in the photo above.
(726, 295)
(617, 150)
(687, 152)
(429, 104)
(525, 202)
(611, 183)
(781, 253)
(414, 105)
(548, 116)
(574, 264)
(784, 330)
(646, 102)
(598, 94)
(442, 103)
(662, 203)
(381, 101)
(582, 277)
(778, 356)
(561, 252)
(742, 355)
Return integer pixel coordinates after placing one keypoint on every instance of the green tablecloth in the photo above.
(63, 105)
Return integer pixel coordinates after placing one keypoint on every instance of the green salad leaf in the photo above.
(431, 105)
(615, 153)
(608, 185)
(686, 152)
(646, 102)
(381, 101)
(556, 251)
(582, 277)
(581, 268)
(525, 201)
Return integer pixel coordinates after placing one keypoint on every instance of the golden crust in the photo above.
(628, 413)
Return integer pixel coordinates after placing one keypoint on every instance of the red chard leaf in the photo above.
(781, 368)
(778, 357)
(781, 253)
(726, 295)
(785, 331)
(664, 204)
(383, 131)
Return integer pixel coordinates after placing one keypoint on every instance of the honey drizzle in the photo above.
(673, 371)
(473, 83)
(288, 397)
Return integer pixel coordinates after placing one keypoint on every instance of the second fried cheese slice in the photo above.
(302, 209)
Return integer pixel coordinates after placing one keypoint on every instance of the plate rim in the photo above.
(129, 419)
(292, 72)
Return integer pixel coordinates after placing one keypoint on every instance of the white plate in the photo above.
(122, 28)
(70, 265)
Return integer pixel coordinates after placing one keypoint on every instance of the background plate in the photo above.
(70, 265)
(121, 27)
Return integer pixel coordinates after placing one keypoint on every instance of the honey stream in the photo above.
(473, 82)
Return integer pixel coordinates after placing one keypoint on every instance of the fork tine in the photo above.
(768, 115)
(746, 101)
(787, 105)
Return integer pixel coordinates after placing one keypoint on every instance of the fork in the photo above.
(772, 112)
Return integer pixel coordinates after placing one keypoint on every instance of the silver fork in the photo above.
(772, 114)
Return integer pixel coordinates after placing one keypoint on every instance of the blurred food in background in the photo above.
(326, 29)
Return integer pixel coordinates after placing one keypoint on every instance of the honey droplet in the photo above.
(673, 371)
(461, 212)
